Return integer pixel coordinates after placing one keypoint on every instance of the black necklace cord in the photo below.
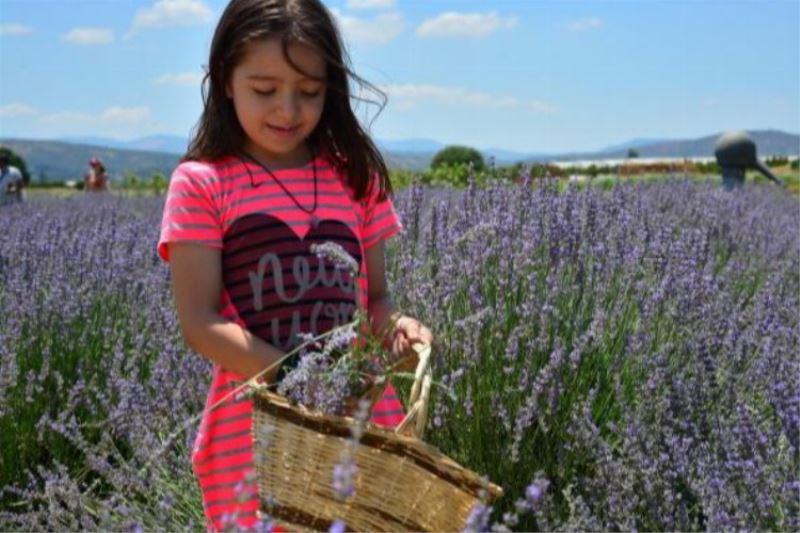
(245, 157)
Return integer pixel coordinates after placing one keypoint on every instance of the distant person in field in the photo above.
(279, 162)
(11, 183)
(96, 179)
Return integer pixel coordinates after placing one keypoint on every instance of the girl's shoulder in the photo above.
(206, 169)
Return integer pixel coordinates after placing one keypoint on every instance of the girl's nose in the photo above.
(288, 106)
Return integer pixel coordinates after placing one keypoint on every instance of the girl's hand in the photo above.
(406, 332)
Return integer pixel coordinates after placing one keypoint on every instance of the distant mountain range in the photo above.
(67, 159)
(172, 144)
(768, 143)
(61, 161)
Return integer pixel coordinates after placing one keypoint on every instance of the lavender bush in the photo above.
(621, 360)
(94, 376)
(638, 348)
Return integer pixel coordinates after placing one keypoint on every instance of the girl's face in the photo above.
(277, 106)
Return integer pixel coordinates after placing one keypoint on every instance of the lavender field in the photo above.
(618, 360)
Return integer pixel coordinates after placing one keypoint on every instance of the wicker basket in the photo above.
(401, 484)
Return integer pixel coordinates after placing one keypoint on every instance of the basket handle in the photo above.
(414, 422)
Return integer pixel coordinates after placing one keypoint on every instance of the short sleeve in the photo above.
(190, 212)
(380, 219)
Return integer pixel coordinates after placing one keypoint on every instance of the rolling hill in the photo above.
(62, 160)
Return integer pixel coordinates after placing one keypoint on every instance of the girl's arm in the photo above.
(196, 283)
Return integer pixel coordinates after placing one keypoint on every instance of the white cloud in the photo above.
(63, 117)
(17, 109)
(584, 24)
(187, 79)
(541, 107)
(125, 115)
(370, 4)
(15, 29)
(165, 13)
(114, 121)
(88, 36)
(475, 25)
(113, 116)
(379, 30)
(410, 95)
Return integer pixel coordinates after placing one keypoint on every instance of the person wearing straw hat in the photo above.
(279, 162)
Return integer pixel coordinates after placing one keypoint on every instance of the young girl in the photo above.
(279, 162)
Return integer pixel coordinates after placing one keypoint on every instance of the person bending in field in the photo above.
(278, 162)
(11, 182)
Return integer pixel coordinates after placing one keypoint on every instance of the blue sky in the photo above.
(525, 75)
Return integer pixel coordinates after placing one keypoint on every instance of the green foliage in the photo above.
(458, 156)
(709, 168)
(47, 185)
(777, 161)
(454, 175)
(159, 183)
(131, 181)
(459, 176)
(402, 178)
(795, 164)
(791, 180)
(17, 161)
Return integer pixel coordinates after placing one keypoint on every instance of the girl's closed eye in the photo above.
(304, 94)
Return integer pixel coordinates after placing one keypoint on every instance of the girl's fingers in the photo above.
(399, 346)
(426, 335)
(422, 335)
(408, 332)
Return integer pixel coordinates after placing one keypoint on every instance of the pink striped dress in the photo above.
(273, 285)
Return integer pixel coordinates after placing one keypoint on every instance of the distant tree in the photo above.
(17, 161)
(458, 155)
(131, 181)
(159, 183)
(777, 161)
(632, 154)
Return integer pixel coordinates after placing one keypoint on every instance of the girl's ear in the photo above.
(228, 90)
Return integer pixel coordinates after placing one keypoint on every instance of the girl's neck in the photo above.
(300, 157)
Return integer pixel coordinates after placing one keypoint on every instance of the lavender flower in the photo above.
(338, 255)
(478, 519)
(337, 526)
(344, 479)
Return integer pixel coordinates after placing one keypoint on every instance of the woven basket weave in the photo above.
(401, 484)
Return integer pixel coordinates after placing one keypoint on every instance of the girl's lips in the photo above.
(283, 132)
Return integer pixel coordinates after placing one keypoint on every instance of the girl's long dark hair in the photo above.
(218, 133)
